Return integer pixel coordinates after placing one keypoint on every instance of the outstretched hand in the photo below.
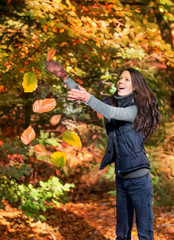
(81, 95)
(57, 69)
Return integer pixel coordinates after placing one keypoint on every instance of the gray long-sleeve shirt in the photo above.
(110, 112)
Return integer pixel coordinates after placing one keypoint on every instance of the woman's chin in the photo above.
(121, 93)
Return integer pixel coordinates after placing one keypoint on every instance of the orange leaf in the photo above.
(28, 135)
(44, 105)
(79, 81)
(58, 173)
(51, 54)
(61, 30)
(1, 88)
(40, 150)
(99, 115)
(55, 29)
(85, 9)
(54, 120)
(1, 143)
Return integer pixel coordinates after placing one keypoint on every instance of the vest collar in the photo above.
(123, 101)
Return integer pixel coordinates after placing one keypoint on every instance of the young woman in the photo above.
(132, 116)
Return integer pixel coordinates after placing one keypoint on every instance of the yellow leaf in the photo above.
(58, 158)
(98, 44)
(72, 138)
(29, 82)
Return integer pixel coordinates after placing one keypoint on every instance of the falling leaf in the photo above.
(58, 158)
(99, 115)
(28, 135)
(40, 150)
(44, 105)
(54, 120)
(29, 82)
(72, 138)
(50, 54)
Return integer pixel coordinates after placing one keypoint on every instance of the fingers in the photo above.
(47, 63)
(72, 99)
(74, 94)
(75, 91)
(59, 64)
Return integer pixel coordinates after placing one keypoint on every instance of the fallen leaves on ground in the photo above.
(89, 216)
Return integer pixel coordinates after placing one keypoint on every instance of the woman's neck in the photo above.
(120, 99)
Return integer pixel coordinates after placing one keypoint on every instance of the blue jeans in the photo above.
(134, 194)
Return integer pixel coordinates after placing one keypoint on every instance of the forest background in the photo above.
(94, 40)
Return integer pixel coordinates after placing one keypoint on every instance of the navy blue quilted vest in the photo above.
(125, 146)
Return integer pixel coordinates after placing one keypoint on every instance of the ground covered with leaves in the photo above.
(90, 214)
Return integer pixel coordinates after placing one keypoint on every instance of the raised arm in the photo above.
(57, 69)
(79, 93)
(127, 114)
(110, 112)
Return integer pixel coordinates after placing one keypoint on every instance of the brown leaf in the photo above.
(54, 120)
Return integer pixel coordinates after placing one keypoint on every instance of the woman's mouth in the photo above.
(121, 87)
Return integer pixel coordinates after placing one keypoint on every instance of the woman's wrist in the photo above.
(64, 76)
(86, 97)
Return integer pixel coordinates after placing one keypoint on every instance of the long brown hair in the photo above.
(148, 117)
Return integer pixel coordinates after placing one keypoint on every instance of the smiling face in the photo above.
(124, 84)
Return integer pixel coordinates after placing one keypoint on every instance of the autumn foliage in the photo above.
(42, 135)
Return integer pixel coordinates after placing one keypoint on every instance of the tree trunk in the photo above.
(166, 33)
(28, 110)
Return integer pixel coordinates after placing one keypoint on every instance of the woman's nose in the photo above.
(121, 80)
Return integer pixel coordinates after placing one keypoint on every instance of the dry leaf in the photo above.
(40, 150)
(51, 54)
(29, 82)
(72, 138)
(54, 120)
(44, 105)
(28, 135)
(58, 158)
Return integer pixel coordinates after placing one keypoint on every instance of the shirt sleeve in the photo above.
(71, 84)
(110, 112)
(127, 114)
